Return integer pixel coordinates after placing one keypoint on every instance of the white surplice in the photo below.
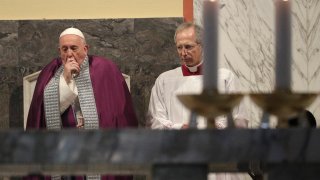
(167, 112)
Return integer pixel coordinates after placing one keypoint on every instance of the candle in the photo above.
(210, 44)
(283, 45)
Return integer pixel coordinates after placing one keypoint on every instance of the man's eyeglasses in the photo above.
(187, 47)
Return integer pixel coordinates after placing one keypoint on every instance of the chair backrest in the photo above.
(29, 83)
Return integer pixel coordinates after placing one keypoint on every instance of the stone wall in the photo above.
(142, 48)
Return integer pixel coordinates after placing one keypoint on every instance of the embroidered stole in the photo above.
(86, 99)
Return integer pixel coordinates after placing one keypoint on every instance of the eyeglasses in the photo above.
(187, 47)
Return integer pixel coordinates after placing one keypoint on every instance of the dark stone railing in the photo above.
(279, 153)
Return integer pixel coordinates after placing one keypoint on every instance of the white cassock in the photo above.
(68, 95)
(167, 112)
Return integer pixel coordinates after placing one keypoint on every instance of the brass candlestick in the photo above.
(283, 104)
(211, 104)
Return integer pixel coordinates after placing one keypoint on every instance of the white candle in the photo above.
(283, 44)
(210, 44)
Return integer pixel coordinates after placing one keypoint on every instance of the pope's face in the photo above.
(190, 52)
(72, 48)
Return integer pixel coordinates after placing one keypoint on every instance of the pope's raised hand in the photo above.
(71, 69)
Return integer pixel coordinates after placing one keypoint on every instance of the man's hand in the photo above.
(185, 126)
(80, 123)
(71, 67)
(241, 123)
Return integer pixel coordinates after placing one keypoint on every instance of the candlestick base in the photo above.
(283, 104)
(211, 104)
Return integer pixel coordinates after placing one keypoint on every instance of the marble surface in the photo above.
(247, 46)
(142, 49)
(128, 149)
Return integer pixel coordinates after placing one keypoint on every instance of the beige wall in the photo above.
(88, 9)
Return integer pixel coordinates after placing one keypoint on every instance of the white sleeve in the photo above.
(67, 92)
(239, 113)
(157, 116)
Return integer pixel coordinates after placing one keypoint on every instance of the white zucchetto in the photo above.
(73, 31)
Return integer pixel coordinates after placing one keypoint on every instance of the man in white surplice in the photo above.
(166, 111)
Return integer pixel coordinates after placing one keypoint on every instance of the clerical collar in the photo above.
(190, 71)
